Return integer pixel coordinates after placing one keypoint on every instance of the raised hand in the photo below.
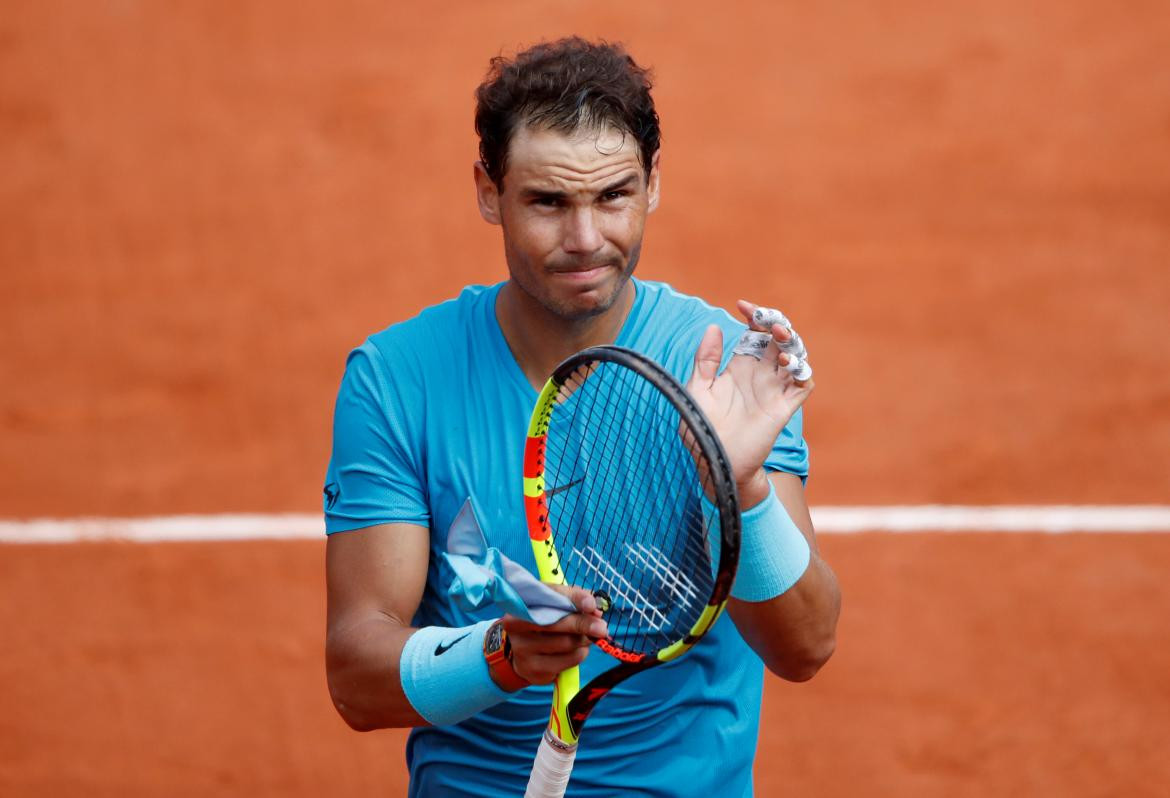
(750, 402)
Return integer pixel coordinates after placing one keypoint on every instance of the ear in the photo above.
(487, 195)
(653, 183)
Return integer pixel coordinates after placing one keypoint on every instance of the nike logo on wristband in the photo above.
(443, 648)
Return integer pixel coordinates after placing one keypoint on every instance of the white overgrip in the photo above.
(551, 769)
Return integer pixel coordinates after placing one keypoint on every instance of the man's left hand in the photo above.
(750, 402)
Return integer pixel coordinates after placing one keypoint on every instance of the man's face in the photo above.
(572, 210)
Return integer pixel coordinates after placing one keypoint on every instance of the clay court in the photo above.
(965, 208)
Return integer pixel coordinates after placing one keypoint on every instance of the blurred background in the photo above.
(964, 208)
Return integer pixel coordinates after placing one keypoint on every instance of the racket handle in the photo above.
(552, 768)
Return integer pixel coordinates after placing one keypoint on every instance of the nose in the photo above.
(582, 236)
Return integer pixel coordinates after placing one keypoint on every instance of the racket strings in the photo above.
(633, 524)
(629, 598)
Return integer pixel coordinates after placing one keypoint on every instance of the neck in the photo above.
(540, 340)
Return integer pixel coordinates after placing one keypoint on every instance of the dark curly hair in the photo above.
(565, 86)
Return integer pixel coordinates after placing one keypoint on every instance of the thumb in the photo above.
(708, 355)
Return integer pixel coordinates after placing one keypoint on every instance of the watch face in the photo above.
(492, 643)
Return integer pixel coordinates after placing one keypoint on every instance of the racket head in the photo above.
(629, 494)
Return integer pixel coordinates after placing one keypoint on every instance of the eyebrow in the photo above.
(620, 184)
(538, 193)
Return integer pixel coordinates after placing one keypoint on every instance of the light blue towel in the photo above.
(485, 578)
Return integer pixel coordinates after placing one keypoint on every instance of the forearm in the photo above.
(382, 673)
(442, 674)
(794, 632)
(362, 667)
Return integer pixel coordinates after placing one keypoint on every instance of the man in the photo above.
(430, 421)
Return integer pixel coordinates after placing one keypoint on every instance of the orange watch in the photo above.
(497, 651)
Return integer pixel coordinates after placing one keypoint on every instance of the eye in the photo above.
(613, 196)
(547, 202)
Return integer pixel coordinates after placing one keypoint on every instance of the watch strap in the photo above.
(499, 660)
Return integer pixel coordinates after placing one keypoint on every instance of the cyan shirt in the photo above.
(434, 411)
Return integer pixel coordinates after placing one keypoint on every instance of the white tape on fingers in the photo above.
(752, 343)
(799, 368)
(766, 317)
(793, 346)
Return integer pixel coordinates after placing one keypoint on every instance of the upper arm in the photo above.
(377, 555)
(377, 570)
(376, 508)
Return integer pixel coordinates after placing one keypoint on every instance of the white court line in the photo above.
(886, 518)
(1054, 518)
(164, 528)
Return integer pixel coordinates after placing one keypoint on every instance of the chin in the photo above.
(573, 302)
(576, 311)
(586, 305)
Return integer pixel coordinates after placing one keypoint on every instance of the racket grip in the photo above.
(552, 768)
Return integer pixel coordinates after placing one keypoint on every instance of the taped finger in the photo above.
(766, 317)
(793, 346)
(799, 368)
(752, 343)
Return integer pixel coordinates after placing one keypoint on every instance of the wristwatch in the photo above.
(497, 650)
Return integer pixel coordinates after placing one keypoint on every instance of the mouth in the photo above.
(583, 274)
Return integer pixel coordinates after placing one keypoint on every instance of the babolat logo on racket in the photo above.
(617, 653)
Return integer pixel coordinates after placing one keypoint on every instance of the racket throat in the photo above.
(561, 725)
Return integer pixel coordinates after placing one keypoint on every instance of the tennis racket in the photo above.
(627, 493)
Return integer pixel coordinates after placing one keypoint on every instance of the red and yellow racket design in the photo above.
(628, 493)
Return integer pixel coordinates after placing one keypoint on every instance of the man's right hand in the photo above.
(539, 653)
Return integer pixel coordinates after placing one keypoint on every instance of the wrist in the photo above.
(754, 489)
(443, 674)
(774, 553)
(497, 653)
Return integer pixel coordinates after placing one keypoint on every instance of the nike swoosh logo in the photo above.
(559, 488)
(443, 648)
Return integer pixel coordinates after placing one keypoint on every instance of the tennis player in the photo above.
(428, 433)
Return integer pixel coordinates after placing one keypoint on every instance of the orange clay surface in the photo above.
(964, 207)
(970, 665)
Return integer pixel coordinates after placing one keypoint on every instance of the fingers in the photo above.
(582, 599)
(794, 356)
(543, 668)
(755, 344)
(708, 355)
(761, 318)
(798, 368)
(747, 310)
(575, 623)
(580, 624)
(539, 653)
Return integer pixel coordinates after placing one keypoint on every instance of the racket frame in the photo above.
(571, 704)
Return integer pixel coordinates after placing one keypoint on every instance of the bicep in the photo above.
(376, 570)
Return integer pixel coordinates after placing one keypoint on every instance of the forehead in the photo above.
(539, 157)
